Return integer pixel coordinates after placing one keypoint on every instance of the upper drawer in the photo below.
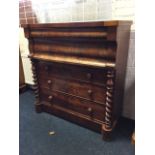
(82, 41)
(98, 31)
(70, 32)
(76, 47)
(79, 73)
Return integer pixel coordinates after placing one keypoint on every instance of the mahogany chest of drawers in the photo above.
(79, 70)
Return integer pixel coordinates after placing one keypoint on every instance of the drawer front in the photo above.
(75, 104)
(80, 89)
(100, 50)
(89, 75)
(85, 42)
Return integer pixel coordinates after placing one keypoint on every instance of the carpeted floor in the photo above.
(69, 138)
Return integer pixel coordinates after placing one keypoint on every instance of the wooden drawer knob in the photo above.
(90, 110)
(90, 92)
(89, 76)
(50, 98)
(49, 81)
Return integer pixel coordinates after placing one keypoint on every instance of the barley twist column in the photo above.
(35, 87)
(109, 99)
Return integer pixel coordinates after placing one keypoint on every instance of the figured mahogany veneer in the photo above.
(70, 72)
(88, 91)
(79, 70)
(88, 108)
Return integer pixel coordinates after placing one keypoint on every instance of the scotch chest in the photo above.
(79, 70)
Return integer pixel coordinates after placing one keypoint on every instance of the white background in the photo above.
(145, 78)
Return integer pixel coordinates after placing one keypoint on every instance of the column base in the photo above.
(106, 133)
(38, 107)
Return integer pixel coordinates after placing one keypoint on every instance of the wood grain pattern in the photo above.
(79, 70)
(69, 34)
(77, 50)
(91, 92)
(76, 104)
(91, 62)
(88, 75)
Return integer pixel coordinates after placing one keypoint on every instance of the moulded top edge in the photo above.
(79, 24)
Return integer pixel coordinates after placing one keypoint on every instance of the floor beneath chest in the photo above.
(69, 138)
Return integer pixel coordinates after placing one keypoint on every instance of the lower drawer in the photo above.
(87, 108)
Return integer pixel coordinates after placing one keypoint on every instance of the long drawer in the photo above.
(80, 89)
(89, 75)
(83, 41)
(100, 50)
(87, 108)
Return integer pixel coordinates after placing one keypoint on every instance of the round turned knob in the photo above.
(90, 110)
(50, 98)
(89, 76)
(90, 92)
(49, 81)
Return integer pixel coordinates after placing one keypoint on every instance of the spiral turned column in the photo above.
(35, 87)
(109, 99)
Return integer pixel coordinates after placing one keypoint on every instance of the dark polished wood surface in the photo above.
(79, 70)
